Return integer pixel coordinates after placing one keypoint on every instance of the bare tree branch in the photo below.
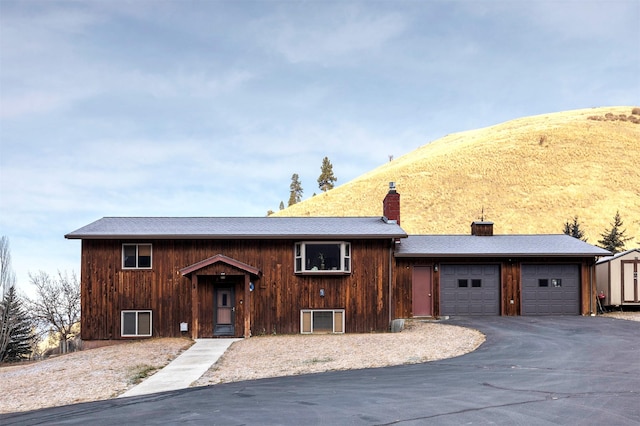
(57, 305)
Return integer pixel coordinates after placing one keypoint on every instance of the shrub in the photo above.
(635, 111)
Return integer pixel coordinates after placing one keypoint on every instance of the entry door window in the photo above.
(225, 307)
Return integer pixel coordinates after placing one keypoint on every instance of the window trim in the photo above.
(340, 328)
(299, 255)
(137, 246)
(137, 312)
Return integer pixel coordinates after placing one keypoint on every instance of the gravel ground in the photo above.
(287, 355)
(83, 376)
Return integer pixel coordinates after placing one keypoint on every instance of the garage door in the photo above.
(470, 290)
(550, 290)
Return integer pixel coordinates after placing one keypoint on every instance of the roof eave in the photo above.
(484, 255)
(233, 237)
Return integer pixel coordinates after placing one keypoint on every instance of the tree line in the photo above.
(53, 313)
(613, 239)
(326, 181)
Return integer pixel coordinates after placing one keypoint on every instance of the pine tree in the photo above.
(614, 239)
(18, 326)
(573, 229)
(295, 194)
(281, 205)
(327, 178)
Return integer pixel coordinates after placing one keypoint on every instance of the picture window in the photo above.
(323, 257)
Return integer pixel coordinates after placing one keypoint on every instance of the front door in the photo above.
(630, 287)
(224, 315)
(422, 291)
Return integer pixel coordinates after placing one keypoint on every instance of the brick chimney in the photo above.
(482, 229)
(391, 204)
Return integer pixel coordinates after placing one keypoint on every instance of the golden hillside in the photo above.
(530, 175)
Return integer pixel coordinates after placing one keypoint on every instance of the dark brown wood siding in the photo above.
(510, 276)
(275, 303)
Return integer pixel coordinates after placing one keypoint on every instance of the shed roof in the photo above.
(496, 245)
(238, 228)
(617, 255)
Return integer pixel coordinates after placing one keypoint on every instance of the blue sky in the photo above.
(206, 108)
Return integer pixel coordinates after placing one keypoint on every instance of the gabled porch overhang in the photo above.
(223, 264)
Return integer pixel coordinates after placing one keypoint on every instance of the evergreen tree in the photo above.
(19, 328)
(281, 205)
(326, 179)
(573, 229)
(295, 194)
(614, 239)
(7, 281)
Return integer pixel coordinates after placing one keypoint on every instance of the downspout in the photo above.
(591, 289)
(391, 279)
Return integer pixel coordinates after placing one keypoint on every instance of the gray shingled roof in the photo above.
(238, 228)
(496, 245)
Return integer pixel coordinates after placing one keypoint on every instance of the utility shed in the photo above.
(617, 278)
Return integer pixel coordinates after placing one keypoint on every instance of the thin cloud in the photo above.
(346, 32)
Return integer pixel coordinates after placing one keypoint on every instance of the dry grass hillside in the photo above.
(530, 175)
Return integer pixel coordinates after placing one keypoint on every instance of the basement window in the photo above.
(136, 324)
(322, 257)
(136, 256)
(321, 321)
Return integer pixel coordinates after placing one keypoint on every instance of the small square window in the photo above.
(476, 283)
(463, 283)
(543, 282)
(136, 256)
(556, 282)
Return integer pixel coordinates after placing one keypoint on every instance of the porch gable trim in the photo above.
(220, 258)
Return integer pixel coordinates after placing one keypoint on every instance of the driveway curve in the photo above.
(530, 371)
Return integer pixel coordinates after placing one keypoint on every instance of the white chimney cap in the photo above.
(392, 186)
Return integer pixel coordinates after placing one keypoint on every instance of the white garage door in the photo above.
(550, 290)
(469, 290)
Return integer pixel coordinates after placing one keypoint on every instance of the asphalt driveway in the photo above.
(531, 371)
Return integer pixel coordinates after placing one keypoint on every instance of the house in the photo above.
(242, 276)
(212, 277)
(617, 278)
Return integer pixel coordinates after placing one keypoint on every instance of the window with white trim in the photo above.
(323, 257)
(136, 256)
(136, 324)
(321, 321)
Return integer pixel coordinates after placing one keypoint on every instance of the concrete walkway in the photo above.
(188, 367)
